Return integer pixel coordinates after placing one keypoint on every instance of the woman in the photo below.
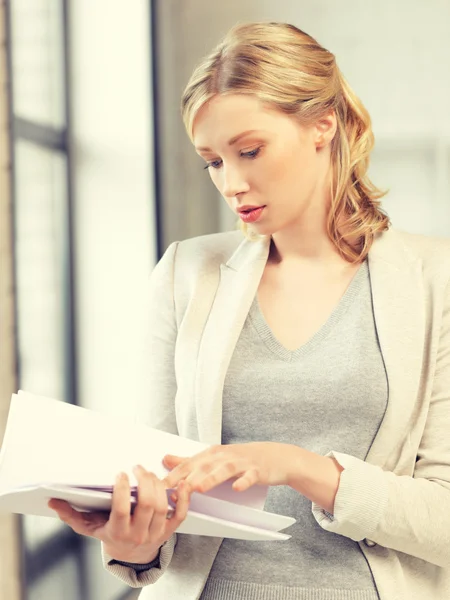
(313, 353)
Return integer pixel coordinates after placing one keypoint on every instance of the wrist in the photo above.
(315, 476)
(294, 463)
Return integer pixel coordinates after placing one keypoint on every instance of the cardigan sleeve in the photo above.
(158, 410)
(137, 579)
(407, 514)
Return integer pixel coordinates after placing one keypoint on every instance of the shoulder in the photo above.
(193, 258)
(208, 251)
(192, 266)
(404, 247)
(426, 247)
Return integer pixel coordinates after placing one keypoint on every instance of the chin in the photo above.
(264, 228)
(258, 229)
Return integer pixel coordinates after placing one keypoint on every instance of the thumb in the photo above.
(61, 507)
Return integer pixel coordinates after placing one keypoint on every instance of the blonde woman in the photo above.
(311, 350)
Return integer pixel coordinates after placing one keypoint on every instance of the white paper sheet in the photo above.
(50, 447)
(33, 500)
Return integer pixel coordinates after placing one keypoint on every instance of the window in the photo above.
(37, 52)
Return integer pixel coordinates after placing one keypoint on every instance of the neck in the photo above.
(306, 240)
(309, 243)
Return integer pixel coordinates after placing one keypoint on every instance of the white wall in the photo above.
(114, 222)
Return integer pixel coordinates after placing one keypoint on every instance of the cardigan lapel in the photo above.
(239, 280)
(398, 302)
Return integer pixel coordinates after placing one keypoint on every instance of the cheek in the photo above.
(282, 170)
(215, 178)
(293, 170)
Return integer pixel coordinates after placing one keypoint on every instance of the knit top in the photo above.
(329, 394)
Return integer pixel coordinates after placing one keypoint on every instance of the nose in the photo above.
(233, 182)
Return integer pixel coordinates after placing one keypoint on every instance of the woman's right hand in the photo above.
(130, 537)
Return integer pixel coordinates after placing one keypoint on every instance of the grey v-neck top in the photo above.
(329, 394)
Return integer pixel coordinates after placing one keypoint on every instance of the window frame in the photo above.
(50, 552)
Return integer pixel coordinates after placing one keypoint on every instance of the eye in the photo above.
(214, 164)
(252, 154)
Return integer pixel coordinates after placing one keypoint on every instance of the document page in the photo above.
(52, 449)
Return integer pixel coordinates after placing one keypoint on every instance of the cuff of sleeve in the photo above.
(360, 501)
(138, 567)
(140, 579)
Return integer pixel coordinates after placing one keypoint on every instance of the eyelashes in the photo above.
(252, 154)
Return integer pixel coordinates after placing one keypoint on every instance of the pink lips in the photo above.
(251, 215)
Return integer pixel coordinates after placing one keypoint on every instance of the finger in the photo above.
(180, 472)
(84, 523)
(120, 506)
(246, 481)
(186, 465)
(161, 506)
(58, 505)
(202, 482)
(181, 509)
(144, 509)
(206, 477)
(63, 509)
(171, 460)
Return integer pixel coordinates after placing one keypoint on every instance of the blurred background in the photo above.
(97, 177)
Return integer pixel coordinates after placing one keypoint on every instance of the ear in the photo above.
(325, 129)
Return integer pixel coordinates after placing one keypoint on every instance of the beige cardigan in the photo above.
(396, 504)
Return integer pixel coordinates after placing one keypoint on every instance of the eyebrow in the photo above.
(232, 141)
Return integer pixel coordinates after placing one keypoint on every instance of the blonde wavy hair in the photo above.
(289, 70)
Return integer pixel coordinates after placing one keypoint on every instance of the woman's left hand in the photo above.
(262, 463)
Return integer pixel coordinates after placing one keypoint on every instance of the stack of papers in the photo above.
(56, 450)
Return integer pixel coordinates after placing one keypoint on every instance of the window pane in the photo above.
(38, 61)
(40, 216)
(61, 582)
(39, 529)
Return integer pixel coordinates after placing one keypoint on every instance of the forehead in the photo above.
(227, 116)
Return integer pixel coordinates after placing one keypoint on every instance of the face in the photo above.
(271, 170)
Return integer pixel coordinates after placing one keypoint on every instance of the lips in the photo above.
(247, 208)
(250, 214)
